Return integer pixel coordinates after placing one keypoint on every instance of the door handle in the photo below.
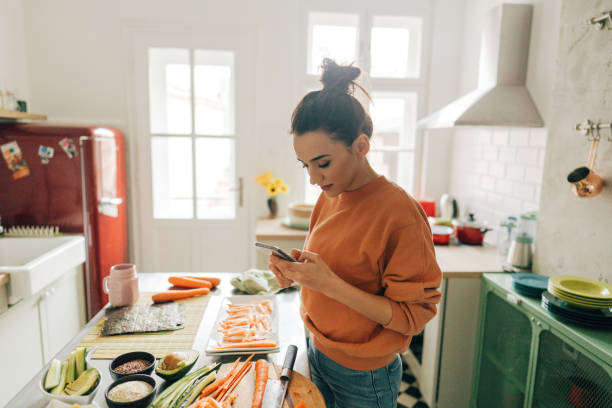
(110, 200)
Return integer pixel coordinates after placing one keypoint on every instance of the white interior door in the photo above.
(192, 115)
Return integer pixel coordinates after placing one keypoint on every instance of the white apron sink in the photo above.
(34, 263)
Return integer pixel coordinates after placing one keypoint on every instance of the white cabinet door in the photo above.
(20, 347)
(62, 311)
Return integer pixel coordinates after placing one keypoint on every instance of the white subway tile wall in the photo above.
(498, 171)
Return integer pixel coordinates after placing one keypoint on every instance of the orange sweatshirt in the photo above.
(376, 238)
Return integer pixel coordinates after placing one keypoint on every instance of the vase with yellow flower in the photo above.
(274, 186)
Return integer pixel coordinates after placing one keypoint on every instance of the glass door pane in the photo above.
(214, 92)
(333, 35)
(169, 91)
(215, 178)
(172, 177)
(505, 355)
(567, 378)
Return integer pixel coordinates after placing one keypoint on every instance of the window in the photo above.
(192, 125)
(388, 48)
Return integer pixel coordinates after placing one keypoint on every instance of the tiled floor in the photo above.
(410, 396)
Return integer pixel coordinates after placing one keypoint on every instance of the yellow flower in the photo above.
(284, 189)
(263, 179)
(272, 189)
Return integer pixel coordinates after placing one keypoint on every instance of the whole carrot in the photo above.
(188, 282)
(170, 295)
(261, 377)
(214, 281)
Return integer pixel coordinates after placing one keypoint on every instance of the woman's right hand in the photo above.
(283, 282)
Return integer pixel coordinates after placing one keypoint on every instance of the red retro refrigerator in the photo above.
(78, 185)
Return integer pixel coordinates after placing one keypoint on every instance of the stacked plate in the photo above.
(563, 311)
(582, 293)
(529, 284)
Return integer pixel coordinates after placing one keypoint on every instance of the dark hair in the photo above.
(333, 109)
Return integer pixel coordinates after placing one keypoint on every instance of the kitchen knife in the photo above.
(275, 391)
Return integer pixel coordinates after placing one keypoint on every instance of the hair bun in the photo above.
(338, 78)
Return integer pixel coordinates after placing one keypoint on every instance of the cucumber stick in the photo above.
(186, 401)
(71, 372)
(62, 382)
(52, 379)
(171, 395)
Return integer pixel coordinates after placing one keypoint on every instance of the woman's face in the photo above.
(330, 164)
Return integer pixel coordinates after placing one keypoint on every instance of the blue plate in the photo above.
(530, 280)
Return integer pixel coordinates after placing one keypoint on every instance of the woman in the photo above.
(368, 269)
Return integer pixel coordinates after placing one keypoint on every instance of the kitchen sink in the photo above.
(34, 263)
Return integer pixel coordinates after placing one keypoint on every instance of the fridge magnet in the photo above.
(45, 153)
(14, 160)
(68, 145)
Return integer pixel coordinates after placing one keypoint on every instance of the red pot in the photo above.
(470, 232)
(471, 235)
(441, 234)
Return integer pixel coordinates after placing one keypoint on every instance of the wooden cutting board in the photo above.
(300, 388)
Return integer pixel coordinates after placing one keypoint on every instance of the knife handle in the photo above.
(289, 361)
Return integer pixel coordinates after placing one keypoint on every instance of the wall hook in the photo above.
(591, 129)
(604, 20)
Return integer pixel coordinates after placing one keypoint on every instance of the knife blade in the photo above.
(276, 390)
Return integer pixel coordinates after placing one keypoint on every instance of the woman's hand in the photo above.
(283, 281)
(310, 270)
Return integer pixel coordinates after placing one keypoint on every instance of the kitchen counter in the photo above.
(456, 261)
(291, 331)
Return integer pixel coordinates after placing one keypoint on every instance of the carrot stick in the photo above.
(261, 377)
(301, 404)
(228, 378)
(214, 281)
(236, 381)
(220, 381)
(188, 282)
(224, 389)
(169, 295)
(245, 344)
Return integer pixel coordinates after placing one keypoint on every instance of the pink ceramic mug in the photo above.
(121, 285)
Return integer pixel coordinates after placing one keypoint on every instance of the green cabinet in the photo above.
(526, 358)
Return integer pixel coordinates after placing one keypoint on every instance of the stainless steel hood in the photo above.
(502, 98)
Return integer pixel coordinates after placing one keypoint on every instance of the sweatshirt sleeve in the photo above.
(410, 278)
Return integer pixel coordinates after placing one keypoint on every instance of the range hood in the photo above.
(502, 98)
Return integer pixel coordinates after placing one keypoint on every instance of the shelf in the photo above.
(6, 114)
(504, 371)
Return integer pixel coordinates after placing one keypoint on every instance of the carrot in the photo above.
(244, 344)
(301, 404)
(188, 282)
(214, 281)
(261, 377)
(170, 295)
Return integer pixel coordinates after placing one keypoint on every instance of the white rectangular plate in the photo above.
(215, 337)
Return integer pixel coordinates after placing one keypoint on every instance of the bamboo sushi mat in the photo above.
(157, 343)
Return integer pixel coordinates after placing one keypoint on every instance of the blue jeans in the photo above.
(346, 388)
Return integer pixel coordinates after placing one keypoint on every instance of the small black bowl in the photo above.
(134, 355)
(141, 403)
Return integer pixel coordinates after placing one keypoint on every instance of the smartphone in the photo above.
(275, 250)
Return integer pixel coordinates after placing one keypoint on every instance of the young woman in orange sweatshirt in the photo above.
(368, 270)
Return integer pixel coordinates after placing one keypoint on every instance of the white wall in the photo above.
(496, 172)
(13, 60)
(574, 233)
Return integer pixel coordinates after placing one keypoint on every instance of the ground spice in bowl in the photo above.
(132, 366)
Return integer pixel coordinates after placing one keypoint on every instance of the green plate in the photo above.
(583, 287)
(288, 224)
(604, 303)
